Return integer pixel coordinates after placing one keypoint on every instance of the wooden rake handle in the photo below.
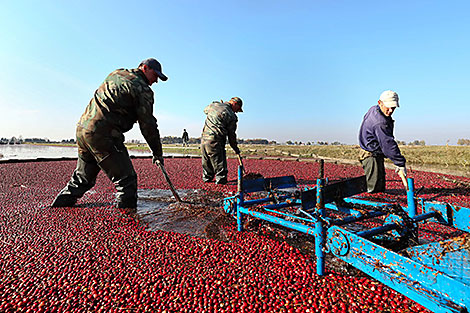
(403, 179)
(173, 191)
(241, 162)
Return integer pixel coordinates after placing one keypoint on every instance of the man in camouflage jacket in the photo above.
(221, 122)
(124, 98)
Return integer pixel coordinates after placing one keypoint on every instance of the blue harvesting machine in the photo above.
(362, 233)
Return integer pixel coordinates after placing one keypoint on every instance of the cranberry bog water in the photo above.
(95, 258)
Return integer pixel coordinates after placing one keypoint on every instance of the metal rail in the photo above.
(436, 275)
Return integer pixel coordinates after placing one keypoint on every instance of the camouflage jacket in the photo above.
(123, 99)
(221, 122)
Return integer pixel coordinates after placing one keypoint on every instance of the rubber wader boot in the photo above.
(127, 207)
(127, 204)
(221, 182)
(118, 167)
(64, 200)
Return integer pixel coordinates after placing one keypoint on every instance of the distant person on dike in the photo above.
(185, 138)
(377, 141)
(124, 98)
(221, 122)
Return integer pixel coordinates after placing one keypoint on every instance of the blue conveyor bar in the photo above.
(425, 216)
(280, 221)
(377, 230)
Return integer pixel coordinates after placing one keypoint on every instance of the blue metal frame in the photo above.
(422, 283)
(436, 275)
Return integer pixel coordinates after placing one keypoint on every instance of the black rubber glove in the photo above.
(157, 158)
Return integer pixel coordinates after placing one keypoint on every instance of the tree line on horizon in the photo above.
(463, 142)
(256, 141)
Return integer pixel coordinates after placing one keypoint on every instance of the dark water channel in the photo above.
(201, 215)
(158, 209)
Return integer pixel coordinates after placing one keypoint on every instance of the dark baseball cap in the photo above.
(238, 101)
(156, 66)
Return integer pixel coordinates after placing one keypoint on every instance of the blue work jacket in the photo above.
(376, 136)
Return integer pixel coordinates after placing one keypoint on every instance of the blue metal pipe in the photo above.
(277, 220)
(377, 230)
(366, 202)
(422, 217)
(353, 219)
(320, 232)
(306, 213)
(240, 199)
(350, 211)
(280, 205)
(320, 208)
(239, 219)
(262, 200)
(410, 195)
(291, 216)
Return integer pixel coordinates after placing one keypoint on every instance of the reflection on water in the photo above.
(26, 151)
(158, 209)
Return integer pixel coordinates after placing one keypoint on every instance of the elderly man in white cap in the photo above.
(377, 141)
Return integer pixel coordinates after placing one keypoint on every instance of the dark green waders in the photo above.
(95, 153)
(214, 161)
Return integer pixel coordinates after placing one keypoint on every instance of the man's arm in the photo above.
(149, 129)
(232, 137)
(148, 126)
(388, 145)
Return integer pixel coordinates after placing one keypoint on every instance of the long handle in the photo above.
(173, 191)
(403, 179)
(241, 162)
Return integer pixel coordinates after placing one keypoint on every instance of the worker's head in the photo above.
(388, 102)
(236, 104)
(152, 70)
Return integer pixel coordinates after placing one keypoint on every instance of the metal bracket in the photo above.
(338, 243)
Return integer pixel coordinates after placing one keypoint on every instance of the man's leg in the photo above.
(375, 173)
(219, 162)
(119, 169)
(207, 168)
(381, 168)
(82, 180)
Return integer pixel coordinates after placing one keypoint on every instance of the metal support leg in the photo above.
(240, 198)
(239, 219)
(410, 195)
(319, 230)
(321, 171)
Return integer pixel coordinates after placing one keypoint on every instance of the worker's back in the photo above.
(220, 119)
(115, 105)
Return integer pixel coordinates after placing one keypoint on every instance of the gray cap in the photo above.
(389, 98)
(156, 66)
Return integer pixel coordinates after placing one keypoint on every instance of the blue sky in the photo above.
(306, 70)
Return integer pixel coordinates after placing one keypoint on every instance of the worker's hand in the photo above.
(157, 158)
(401, 169)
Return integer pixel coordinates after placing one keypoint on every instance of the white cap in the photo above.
(389, 98)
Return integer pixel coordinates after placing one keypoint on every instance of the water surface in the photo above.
(27, 151)
(158, 210)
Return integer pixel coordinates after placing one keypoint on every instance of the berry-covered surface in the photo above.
(94, 258)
